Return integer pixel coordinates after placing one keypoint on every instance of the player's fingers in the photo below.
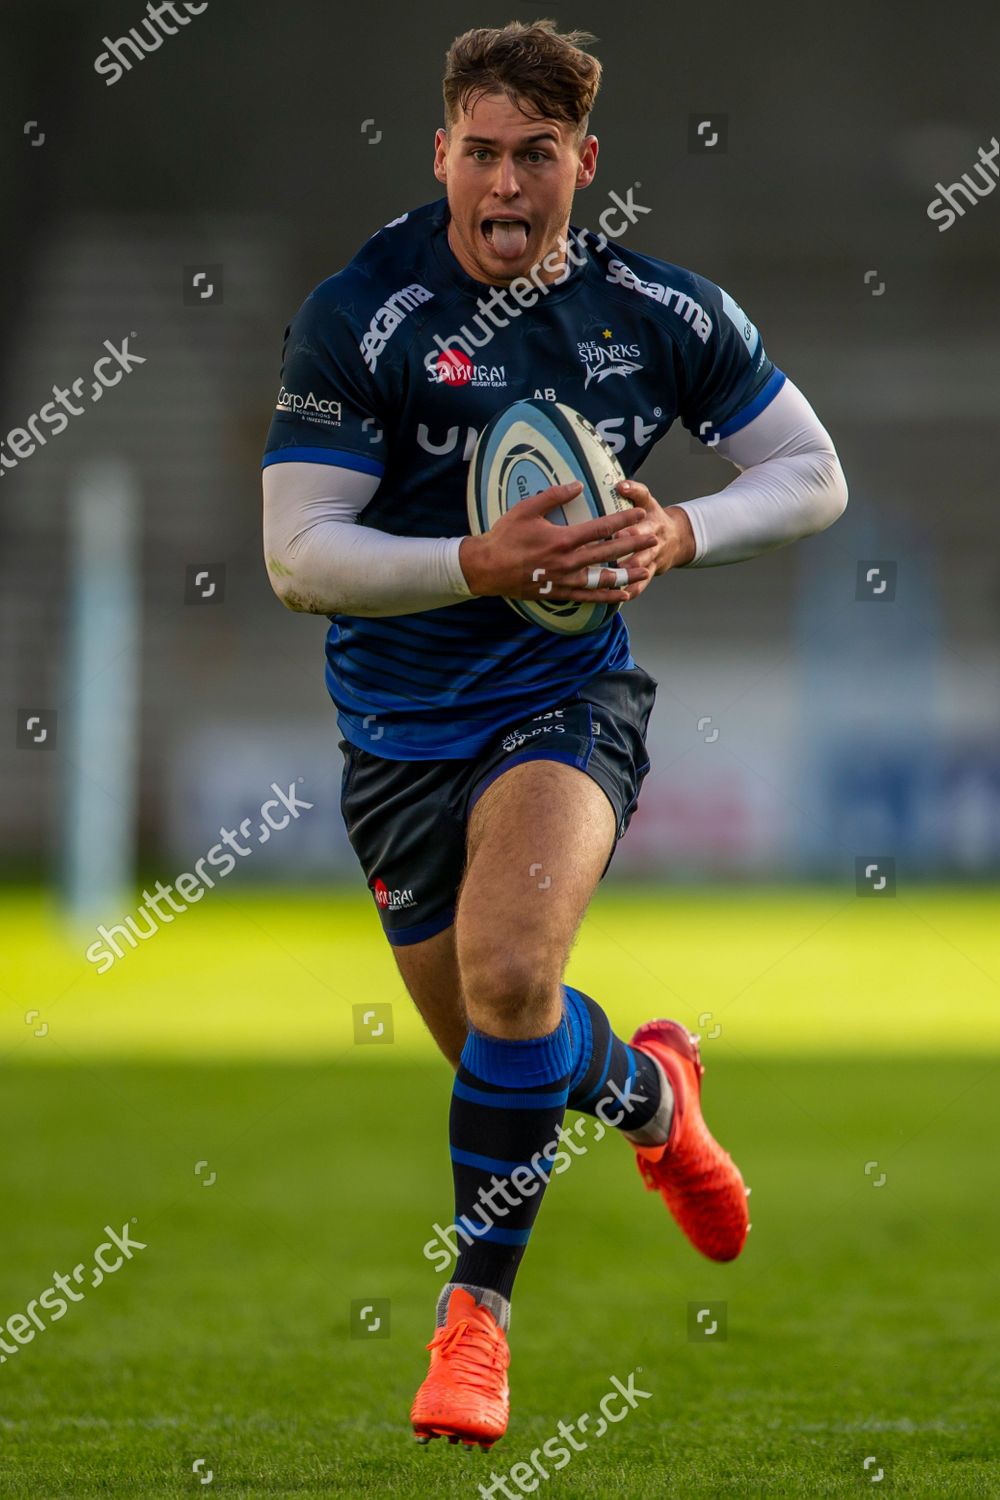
(638, 494)
(596, 552)
(611, 577)
(602, 528)
(645, 555)
(611, 583)
(597, 596)
(546, 500)
(636, 532)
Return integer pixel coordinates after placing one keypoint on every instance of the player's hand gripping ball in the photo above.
(527, 448)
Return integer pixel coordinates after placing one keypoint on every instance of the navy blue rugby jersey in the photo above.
(396, 363)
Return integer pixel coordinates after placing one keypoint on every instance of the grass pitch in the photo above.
(861, 1322)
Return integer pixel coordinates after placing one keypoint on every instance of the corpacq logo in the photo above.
(326, 412)
(678, 302)
(387, 320)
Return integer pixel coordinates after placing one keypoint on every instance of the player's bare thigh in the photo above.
(430, 973)
(538, 841)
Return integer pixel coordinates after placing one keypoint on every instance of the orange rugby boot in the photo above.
(698, 1181)
(465, 1395)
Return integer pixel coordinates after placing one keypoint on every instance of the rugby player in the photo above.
(491, 765)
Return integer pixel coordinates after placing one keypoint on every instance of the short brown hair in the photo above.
(533, 65)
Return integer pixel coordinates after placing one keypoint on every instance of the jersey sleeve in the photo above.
(328, 410)
(728, 378)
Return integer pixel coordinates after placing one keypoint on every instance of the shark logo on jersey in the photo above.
(387, 320)
(603, 360)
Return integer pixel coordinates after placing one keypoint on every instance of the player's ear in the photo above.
(440, 154)
(587, 169)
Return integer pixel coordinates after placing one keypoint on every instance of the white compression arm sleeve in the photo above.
(792, 485)
(321, 562)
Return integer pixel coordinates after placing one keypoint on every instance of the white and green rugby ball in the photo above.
(527, 448)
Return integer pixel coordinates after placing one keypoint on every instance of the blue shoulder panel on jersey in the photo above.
(336, 456)
(763, 398)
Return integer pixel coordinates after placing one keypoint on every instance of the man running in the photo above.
(479, 748)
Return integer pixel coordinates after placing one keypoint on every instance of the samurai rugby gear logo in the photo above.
(387, 900)
(453, 367)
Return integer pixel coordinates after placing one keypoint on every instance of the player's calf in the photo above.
(622, 1086)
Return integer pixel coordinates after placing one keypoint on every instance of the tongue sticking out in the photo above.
(509, 238)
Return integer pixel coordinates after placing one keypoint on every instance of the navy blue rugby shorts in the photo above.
(407, 819)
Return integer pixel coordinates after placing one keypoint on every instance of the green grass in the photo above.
(253, 975)
(861, 1320)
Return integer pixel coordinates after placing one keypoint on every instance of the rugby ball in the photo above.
(527, 448)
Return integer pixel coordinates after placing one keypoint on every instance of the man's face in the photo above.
(510, 182)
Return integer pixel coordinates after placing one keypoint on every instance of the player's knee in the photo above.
(504, 990)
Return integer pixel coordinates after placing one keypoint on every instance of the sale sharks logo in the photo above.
(604, 359)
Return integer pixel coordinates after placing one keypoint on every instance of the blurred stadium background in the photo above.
(843, 727)
(800, 725)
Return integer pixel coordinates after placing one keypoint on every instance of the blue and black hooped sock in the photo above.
(619, 1084)
(507, 1105)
